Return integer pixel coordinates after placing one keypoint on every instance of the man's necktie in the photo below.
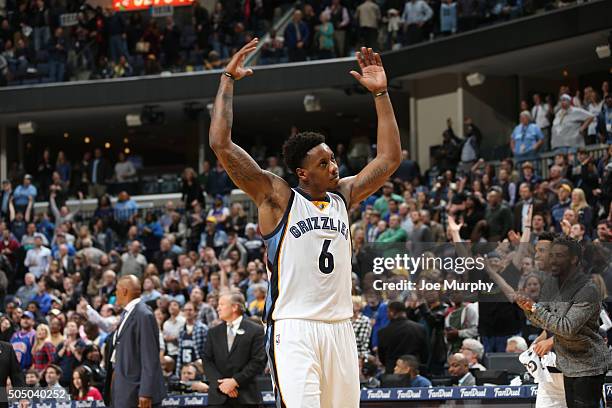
(230, 338)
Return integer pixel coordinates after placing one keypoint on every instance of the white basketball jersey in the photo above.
(309, 261)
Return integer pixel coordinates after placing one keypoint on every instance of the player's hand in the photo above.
(236, 65)
(543, 347)
(144, 402)
(372, 76)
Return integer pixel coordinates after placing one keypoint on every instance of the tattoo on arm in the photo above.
(372, 176)
(240, 166)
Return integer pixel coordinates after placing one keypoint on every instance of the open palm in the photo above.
(372, 76)
(236, 65)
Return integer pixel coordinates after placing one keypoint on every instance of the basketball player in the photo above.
(311, 344)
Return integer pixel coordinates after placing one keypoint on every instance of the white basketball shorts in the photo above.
(314, 364)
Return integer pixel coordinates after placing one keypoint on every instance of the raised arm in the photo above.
(388, 157)
(239, 165)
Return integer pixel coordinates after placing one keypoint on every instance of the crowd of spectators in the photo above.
(54, 41)
(59, 267)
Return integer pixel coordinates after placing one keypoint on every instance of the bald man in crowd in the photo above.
(458, 368)
(138, 379)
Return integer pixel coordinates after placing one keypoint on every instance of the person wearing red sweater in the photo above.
(80, 389)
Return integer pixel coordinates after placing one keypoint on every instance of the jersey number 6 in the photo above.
(326, 259)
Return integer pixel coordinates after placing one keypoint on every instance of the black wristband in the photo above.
(227, 74)
(380, 93)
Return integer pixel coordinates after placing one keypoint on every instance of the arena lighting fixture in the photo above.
(133, 120)
(312, 103)
(603, 51)
(475, 79)
(26, 128)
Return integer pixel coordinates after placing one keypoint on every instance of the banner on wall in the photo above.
(130, 5)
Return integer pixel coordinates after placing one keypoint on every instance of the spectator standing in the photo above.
(340, 18)
(564, 192)
(541, 112)
(23, 340)
(58, 55)
(40, 22)
(133, 262)
(219, 182)
(368, 16)
(361, 327)
(172, 328)
(24, 193)
(191, 190)
(117, 35)
(192, 338)
(99, 173)
(448, 17)
(125, 171)
(604, 121)
(569, 124)
(5, 198)
(416, 14)
(326, 37)
(38, 258)
(392, 344)
(296, 37)
(234, 355)
(408, 169)
(470, 148)
(526, 139)
(498, 216)
(170, 42)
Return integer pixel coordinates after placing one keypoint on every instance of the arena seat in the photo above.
(504, 361)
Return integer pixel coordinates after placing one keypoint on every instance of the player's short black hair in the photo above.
(296, 147)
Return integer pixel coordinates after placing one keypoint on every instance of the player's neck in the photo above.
(314, 195)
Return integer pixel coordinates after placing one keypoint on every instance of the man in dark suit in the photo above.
(5, 198)
(99, 172)
(521, 207)
(138, 379)
(233, 356)
(402, 336)
(9, 368)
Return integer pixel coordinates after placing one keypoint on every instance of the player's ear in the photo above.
(302, 174)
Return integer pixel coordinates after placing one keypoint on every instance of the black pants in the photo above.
(234, 404)
(583, 392)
